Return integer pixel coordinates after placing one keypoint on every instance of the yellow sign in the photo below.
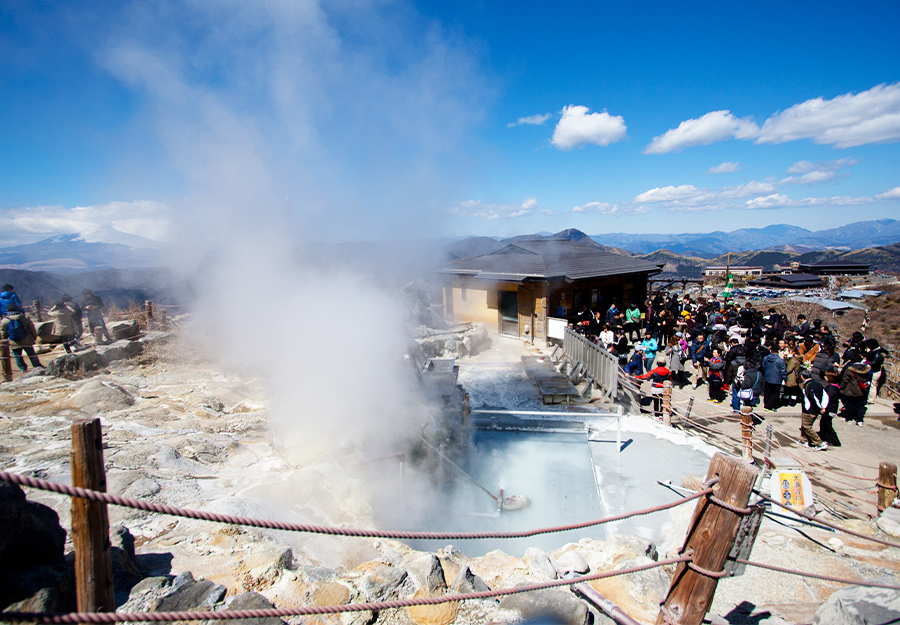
(791, 483)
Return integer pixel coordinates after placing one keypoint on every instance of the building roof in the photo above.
(826, 264)
(789, 280)
(548, 258)
(830, 304)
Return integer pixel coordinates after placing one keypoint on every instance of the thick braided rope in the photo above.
(831, 525)
(127, 502)
(827, 578)
(706, 572)
(123, 617)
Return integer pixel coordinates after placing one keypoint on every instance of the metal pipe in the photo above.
(606, 606)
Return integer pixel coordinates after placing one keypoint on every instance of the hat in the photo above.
(685, 313)
(638, 348)
(679, 334)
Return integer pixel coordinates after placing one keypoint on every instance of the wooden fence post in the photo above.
(90, 521)
(38, 313)
(747, 432)
(667, 403)
(6, 360)
(887, 485)
(711, 536)
(148, 308)
(162, 318)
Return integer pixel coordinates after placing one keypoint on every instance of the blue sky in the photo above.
(360, 119)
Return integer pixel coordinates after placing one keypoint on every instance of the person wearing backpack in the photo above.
(22, 334)
(8, 296)
(855, 388)
(64, 325)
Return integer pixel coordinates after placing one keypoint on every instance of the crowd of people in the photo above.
(68, 323)
(745, 356)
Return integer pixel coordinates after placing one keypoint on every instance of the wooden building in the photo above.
(832, 268)
(789, 281)
(515, 289)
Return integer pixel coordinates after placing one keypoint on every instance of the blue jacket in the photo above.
(650, 348)
(774, 369)
(699, 351)
(7, 298)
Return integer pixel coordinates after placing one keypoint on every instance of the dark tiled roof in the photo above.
(548, 259)
(830, 263)
(789, 280)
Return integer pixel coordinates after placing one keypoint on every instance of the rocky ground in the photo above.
(181, 430)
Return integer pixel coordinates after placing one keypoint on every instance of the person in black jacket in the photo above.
(833, 390)
(875, 358)
(815, 404)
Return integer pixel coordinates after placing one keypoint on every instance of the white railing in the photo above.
(601, 366)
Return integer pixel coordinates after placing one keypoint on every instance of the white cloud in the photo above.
(577, 128)
(812, 177)
(848, 120)
(724, 168)
(711, 128)
(534, 120)
(603, 208)
(779, 200)
(893, 194)
(802, 167)
(547, 211)
(668, 194)
(482, 210)
(746, 190)
(150, 220)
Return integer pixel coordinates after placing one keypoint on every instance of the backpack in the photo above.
(15, 330)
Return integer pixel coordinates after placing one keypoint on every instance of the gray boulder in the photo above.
(559, 605)
(571, 562)
(467, 581)
(539, 562)
(192, 596)
(123, 329)
(70, 364)
(124, 562)
(99, 395)
(120, 350)
(861, 605)
(382, 583)
(427, 572)
(250, 601)
(889, 522)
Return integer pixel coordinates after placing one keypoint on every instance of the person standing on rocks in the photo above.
(93, 306)
(64, 325)
(22, 334)
(77, 314)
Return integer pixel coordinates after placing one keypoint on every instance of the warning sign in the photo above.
(792, 488)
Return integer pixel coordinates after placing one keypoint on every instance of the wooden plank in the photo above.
(711, 536)
(90, 521)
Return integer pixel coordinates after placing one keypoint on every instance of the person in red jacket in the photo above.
(657, 376)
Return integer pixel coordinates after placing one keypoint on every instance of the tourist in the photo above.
(607, 338)
(815, 403)
(875, 358)
(94, 307)
(802, 327)
(611, 313)
(659, 374)
(76, 315)
(774, 372)
(833, 390)
(807, 350)
(64, 325)
(791, 392)
(675, 355)
(8, 296)
(854, 383)
(650, 347)
(716, 376)
(635, 365)
(632, 321)
(20, 331)
(699, 356)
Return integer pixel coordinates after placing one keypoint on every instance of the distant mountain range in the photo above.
(106, 249)
(807, 248)
(853, 236)
(780, 244)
